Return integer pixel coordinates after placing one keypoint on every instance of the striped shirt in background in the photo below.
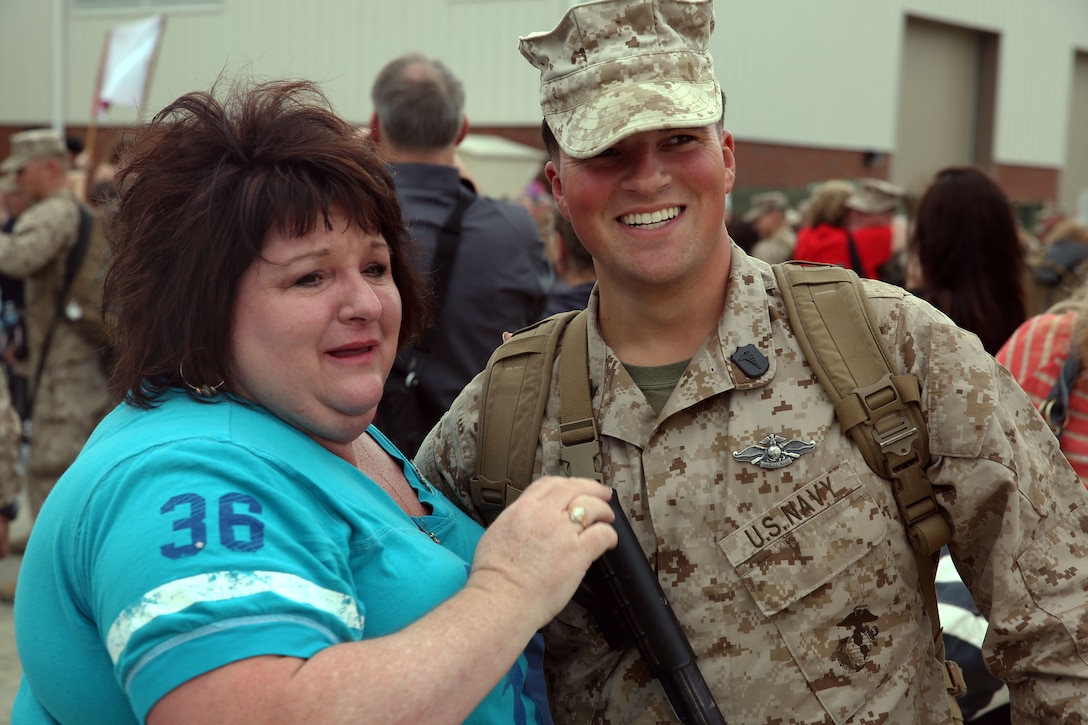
(1034, 355)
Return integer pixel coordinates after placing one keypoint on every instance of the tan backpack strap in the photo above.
(513, 397)
(581, 447)
(879, 409)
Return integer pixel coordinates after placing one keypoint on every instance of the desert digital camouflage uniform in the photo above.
(11, 481)
(796, 585)
(71, 396)
(676, 36)
(776, 248)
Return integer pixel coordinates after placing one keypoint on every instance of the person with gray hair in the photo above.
(485, 256)
(420, 103)
(791, 575)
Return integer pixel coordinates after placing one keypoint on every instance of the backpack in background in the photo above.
(81, 303)
(1053, 273)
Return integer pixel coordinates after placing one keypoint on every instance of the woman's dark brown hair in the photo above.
(200, 188)
(970, 254)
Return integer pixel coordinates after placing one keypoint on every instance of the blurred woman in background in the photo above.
(966, 258)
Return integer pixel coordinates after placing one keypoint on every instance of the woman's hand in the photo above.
(539, 548)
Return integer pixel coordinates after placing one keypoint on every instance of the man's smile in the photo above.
(651, 220)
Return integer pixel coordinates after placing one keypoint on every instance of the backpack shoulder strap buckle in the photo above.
(887, 406)
(580, 450)
(953, 679)
(493, 496)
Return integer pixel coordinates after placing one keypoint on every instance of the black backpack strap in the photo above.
(71, 266)
(445, 254)
(79, 251)
(855, 258)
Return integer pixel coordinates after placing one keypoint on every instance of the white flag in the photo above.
(126, 66)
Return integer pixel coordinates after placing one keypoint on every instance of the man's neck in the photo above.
(435, 157)
(49, 190)
(660, 326)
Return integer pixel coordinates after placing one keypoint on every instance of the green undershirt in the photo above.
(657, 381)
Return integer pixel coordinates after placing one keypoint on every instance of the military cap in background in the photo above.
(766, 203)
(875, 196)
(30, 145)
(614, 68)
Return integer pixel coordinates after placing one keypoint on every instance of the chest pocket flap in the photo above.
(805, 540)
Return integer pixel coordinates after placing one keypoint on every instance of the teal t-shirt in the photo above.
(193, 535)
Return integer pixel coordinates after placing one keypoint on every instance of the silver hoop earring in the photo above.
(204, 391)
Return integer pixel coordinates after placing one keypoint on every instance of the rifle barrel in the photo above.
(652, 623)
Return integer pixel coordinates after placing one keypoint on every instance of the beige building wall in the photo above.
(797, 73)
(1074, 179)
(937, 102)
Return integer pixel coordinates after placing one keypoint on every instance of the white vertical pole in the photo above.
(60, 58)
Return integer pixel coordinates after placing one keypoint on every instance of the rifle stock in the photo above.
(649, 619)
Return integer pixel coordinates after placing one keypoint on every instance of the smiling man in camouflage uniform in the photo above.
(795, 583)
(71, 396)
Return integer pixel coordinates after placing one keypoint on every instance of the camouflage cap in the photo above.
(30, 145)
(765, 203)
(613, 68)
(874, 196)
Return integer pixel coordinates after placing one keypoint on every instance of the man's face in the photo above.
(34, 180)
(860, 220)
(651, 208)
(768, 223)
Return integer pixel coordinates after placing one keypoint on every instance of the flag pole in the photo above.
(60, 58)
(91, 141)
(153, 59)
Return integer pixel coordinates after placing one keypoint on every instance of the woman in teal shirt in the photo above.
(236, 542)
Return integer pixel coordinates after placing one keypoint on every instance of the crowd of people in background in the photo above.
(496, 264)
(958, 245)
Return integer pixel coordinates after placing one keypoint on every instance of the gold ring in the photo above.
(577, 515)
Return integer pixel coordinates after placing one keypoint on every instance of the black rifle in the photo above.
(645, 615)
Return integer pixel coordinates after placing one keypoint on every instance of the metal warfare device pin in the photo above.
(774, 451)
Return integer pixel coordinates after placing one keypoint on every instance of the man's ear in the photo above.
(728, 155)
(375, 129)
(463, 132)
(551, 172)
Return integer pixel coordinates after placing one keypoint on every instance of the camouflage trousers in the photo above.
(67, 408)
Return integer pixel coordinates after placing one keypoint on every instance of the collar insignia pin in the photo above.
(774, 451)
(751, 361)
